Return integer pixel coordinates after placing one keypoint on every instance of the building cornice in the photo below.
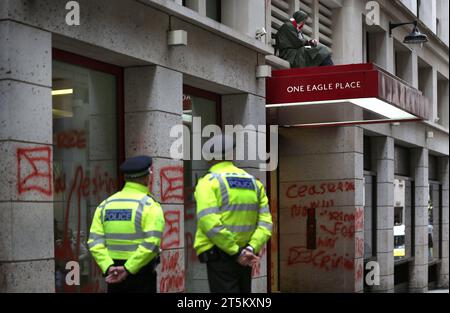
(423, 27)
(193, 17)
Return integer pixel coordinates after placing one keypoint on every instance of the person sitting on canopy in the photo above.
(296, 49)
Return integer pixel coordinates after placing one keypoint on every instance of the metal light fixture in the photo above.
(415, 37)
(177, 38)
(263, 71)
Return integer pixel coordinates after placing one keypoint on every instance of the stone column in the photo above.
(248, 110)
(427, 13)
(419, 268)
(244, 16)
(347, 24)
(442, 29)
(383, 158)
(26, 193)
(321, 209)
(153, 104)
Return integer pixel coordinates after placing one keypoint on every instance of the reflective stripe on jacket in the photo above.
(232, 210)
(127, 226)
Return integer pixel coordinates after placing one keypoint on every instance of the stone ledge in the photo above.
(277, 63)
(195, 18)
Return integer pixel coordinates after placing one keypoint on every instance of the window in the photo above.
(370, 219)
(209, 8)
(403, 204)
(367, 153)
(402, 165)
(85, 158)
(370, 202)
(319, 25)
(403, 62)
(399, 219)
(213, 10)
(434, 210)
(205, 105)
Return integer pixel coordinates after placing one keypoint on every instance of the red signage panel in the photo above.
(320, 87)
(344, 82)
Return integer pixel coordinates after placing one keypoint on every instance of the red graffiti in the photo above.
(34, 170)
(190, 251)
(359, 247)
(189, 205)
(355, 222)
(81, 186)
(59, 183)
(256, 268)
(189, 200)
(359, 219)
(172, 274)
(70, 139)
(359, 271)
(302, 211)
(172, 183)
(339, 229)
(187, 102)
(301, 191)
(103, 183)
(171, 236)
(338, 216)
(327, 242)
(319, 258)
(100, 185)
(95, 278)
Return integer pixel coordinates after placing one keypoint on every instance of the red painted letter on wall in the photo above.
(34, 170)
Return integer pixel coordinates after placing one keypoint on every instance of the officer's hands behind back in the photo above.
(247, 258)
(116, 275)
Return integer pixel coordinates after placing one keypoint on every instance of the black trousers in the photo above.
(327, 62)
(143, 282)
(226, 275)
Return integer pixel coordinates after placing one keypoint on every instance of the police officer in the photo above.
(233, 220)
(126, 232)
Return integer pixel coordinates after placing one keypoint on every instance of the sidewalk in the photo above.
(438, 291)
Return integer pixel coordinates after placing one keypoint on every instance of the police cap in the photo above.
(136, 167)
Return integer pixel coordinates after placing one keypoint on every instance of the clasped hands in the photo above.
(313, 42)
(247, 258)
(116, 274)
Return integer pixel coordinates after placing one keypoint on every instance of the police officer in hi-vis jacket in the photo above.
(233, 220)
(126, 231)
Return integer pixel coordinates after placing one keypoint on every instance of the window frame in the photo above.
(118, 73)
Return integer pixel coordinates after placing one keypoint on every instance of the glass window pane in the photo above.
(85, 165)
(195, 110)
(213, 9)
(433, 221)
(408, 217)
(402, 218)
(368, 216)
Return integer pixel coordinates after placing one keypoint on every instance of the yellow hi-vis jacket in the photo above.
(127, 226)
(232, 210)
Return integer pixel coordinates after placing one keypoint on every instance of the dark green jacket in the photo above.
(292, 48)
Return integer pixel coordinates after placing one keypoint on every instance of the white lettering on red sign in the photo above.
(324, 87)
